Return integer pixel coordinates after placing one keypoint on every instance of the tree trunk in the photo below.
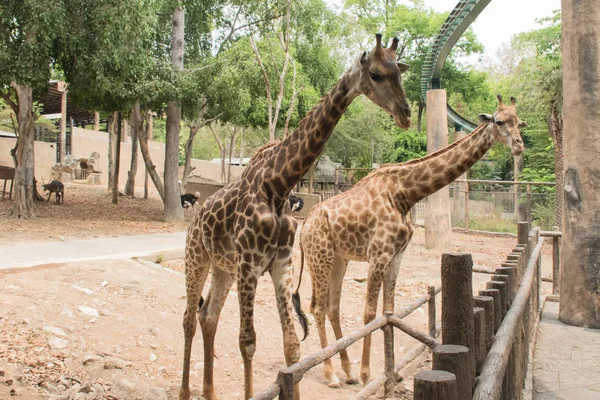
(111, 149)
(25, 168)
(148, 133)
(189, 149)
(150, 167)
(420, 117)
(137, 128)
(115, 188)
(173, 210)
(556, 129)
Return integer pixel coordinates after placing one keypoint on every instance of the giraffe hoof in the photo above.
(335, 385)
(352, 381)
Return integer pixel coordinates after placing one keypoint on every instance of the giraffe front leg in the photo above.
(282, 274)
(208, 316)
(389, 282)
(247, 281)
(375, 278)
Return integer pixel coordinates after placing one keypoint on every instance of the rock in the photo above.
(54, 330)
(104, 283)
(126, 385)
(115, 363)
(85, 388)
(94, 178)
(67, 312)
(57, 343)
(153, 357)
(80, 396)
(50, 388)
(66, 177)
(82, 289)
(92, 312)
(156, 393)
(98, 388)
(58, 397)
(25, 321)
(91, 358)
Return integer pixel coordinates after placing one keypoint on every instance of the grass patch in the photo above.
(492, 224)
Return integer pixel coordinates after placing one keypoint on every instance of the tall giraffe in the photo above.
(246, 228)
(368, 223)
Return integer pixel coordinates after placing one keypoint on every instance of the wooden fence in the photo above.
(487, 340)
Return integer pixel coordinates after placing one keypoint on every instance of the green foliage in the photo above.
(29, 34)
(409, 145)
(544, 214)
(492, 224)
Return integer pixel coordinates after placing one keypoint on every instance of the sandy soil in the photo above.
(88, 212)
(52, 341)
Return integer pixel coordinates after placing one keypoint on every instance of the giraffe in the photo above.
(368, 223)
(246, 228)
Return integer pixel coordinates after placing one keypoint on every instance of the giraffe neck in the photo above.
(420, 178)
(293, 157)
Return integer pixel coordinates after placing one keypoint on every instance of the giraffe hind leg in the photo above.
(196, 272)
(335, 294)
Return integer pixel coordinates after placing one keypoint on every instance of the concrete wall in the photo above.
(45, 157)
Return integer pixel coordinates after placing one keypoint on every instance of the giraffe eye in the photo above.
(376, 77)
(499, 122)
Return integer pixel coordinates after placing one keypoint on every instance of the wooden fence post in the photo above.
(510, 271)
(487, 303)
(336, 183)
(556, 263)
(431, 311)
(529, 206)
(495, 294)
(456, 360)
(506, 280)
(467, 222)
(501, 286)
(457, 302)
(435, 385)
(480, 347)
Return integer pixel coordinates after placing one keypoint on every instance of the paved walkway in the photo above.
(566, 361)
(30, 254)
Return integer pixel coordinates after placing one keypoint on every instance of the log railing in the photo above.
(486, 339)
(288, 377)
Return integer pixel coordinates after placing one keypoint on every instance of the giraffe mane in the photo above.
(427, 157)
(264, 147)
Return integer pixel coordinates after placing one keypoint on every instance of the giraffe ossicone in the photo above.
(246, 228)
(369, 223)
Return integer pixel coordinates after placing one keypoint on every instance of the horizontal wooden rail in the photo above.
(551, 234)
(506, 182)
(421, 337)
(294, 373)
(496, 362)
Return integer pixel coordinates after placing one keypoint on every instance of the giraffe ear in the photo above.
(486, 118)
(364, 58)
(522, 124)
(403, 67)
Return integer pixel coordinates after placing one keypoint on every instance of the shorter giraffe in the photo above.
(368, 223)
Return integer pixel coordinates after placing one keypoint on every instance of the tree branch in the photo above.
(8, 100)
(267, 86)
(249, 24)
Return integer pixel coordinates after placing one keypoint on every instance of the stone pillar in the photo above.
(520, 207)
(125, 131)
(438, 231)
(62, 88)
(96, 121)
(458, 200)
(580, 253)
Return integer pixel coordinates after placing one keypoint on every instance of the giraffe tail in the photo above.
(296, 298)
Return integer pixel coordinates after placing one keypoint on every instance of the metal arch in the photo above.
(460, 18)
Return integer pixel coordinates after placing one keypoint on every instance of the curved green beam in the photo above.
(460, 18)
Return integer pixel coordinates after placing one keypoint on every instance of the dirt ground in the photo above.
(112, 329)
(88, 212)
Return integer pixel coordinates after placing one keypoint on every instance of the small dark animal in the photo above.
(188, 199)
(296, 203)
(57, 188)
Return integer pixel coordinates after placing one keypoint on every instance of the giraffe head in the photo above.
(507, 125)
(381, 81)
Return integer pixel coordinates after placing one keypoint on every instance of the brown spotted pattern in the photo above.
(246, 228)
(369, 223)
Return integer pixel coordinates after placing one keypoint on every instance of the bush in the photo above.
(543, 215)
